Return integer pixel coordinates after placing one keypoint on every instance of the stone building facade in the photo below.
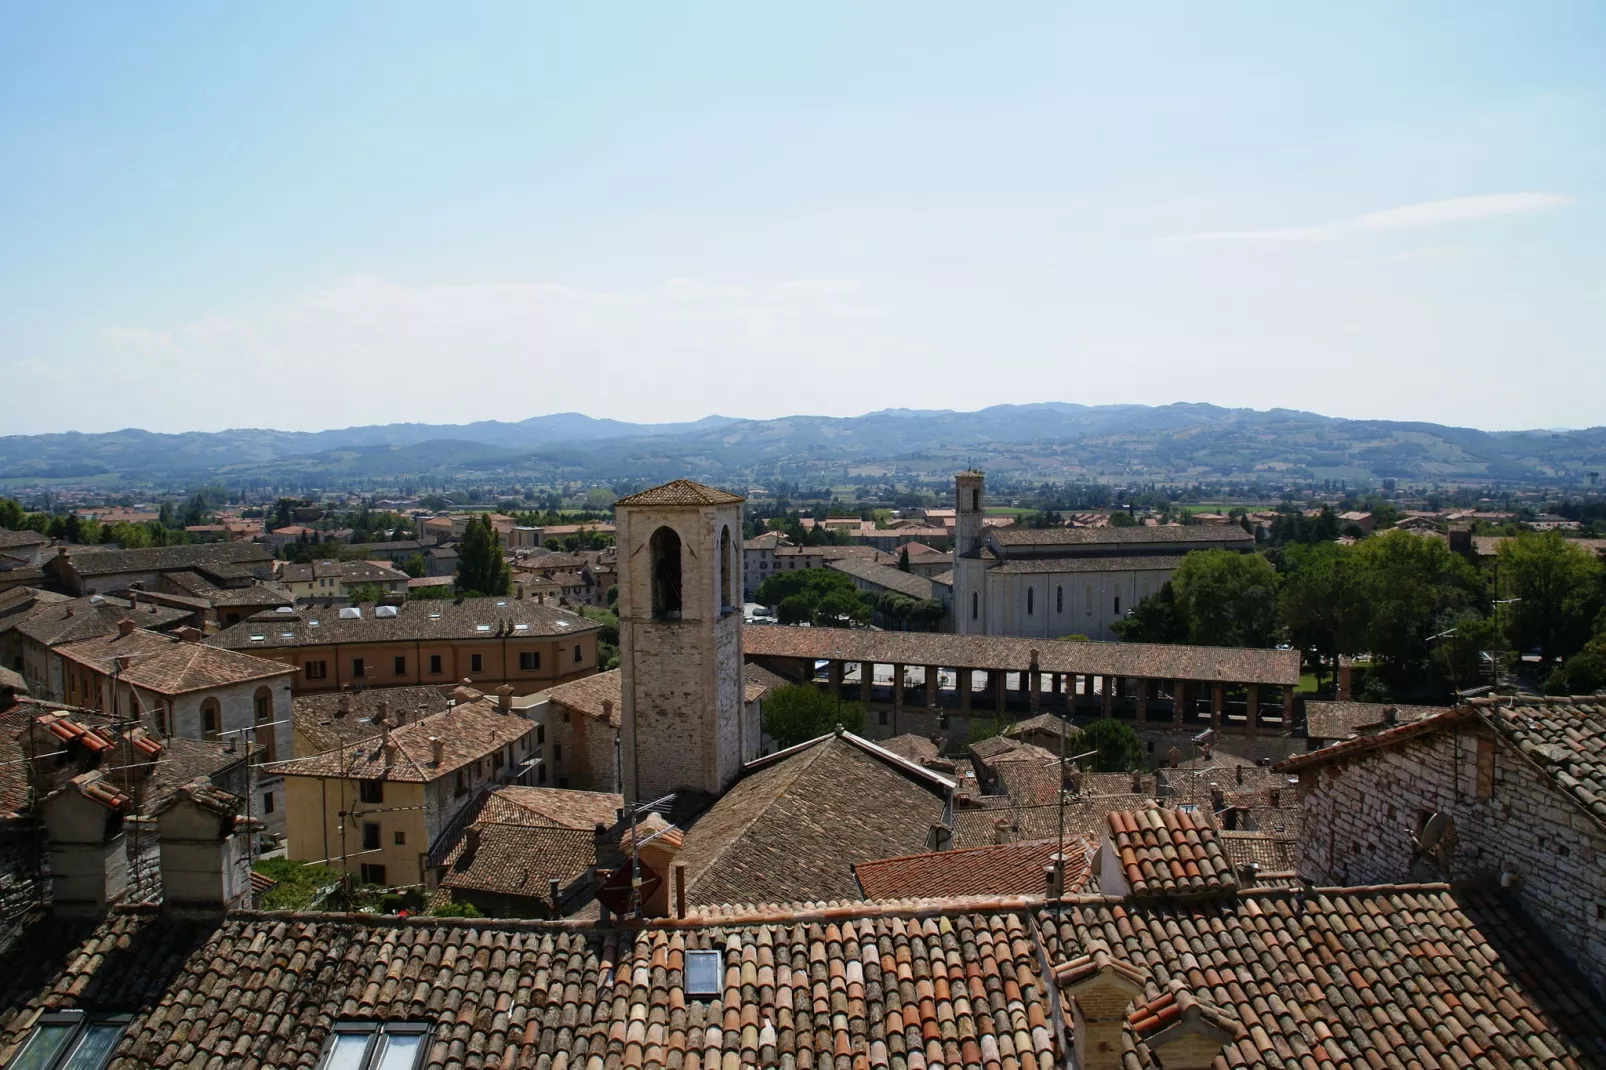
(1482, 793)
(680, 640)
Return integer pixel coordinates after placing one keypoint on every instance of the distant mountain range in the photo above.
(1052, 441)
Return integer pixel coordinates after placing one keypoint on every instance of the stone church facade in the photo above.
(680, 640)
(1052, 582)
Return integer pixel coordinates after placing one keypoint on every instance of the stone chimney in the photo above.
(133, 601)
(188, 634)
(1137, 782)
(437, 751)
(343, 704)
(607, 710)
(88, 847)
(1239, 772)
(1100, 988)
(1218, 799)
(1181, 1031)
(504, 698)
(1003, 831)
(382, 712)
(126, 627)
(1276, 796)
(471, 840)
(205, 849)
(655, 842)
(390, 752)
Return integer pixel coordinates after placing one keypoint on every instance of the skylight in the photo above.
(70, 1040)
(258, 638)
(703, 970)
(482, 627)
(520, 626)
(375, 1046)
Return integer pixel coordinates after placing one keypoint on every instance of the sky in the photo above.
(306, 216)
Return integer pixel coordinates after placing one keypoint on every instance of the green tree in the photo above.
(800, 712)
(1323, 602)
(1122, 519)
(1154, 619)
(1558, 586)
(1119, 748)
(985, 728)
(365, 592)
(840, 608)
(414, 565)
(1415, 588)
(481, 569)
(455, 910)
(11, 514)
(903, 559)
(1227, 598)
(794, 609)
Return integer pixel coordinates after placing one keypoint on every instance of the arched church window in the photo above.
(1028, 601)
(1117, 605)
(727, 570)
(975, 605)
(664, 550)
(1059, 599)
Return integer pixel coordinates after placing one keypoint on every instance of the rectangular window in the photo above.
(540, 734)
(370, 835)
(400, 666)
(529, 660)
(703, 974)
(373, 873)
(371, 791)
(540, 775)
(476, 663)
(401, 838)
(70, 1040)
(1485, 784)
(577, 653)
(557, 752)
(357, 667)
(434, 664)
(267, 802)
(316, 670)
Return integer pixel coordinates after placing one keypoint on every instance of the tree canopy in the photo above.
(481, 569)
(801, 712)
(1119, 748)
(1559, 590)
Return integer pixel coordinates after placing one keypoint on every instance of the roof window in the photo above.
(312, 624)
(70, 1040)
(375, 1046)
(258, 637)
(703, 969)
(435, 615)
(384, 611)
(287, 635)
(520, 626)
(482, 627)
(351, 612)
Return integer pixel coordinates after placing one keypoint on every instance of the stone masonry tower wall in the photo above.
(680, 640)
(970, 600)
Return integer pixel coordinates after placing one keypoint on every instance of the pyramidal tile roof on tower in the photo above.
(681, 492)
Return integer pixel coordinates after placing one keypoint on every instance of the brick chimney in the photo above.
(1239, 772)
(607, 710)
(656, 842)
(126, 627)
(1181, 1031)
(205, 849)
(504, 698)
(343, 704)
(188, 634)
(88, 847)
(1101, 988)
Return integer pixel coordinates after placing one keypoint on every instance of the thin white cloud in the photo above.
(1424, 214)
(1460, 210)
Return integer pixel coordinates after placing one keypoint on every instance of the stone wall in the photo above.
(1361, 820)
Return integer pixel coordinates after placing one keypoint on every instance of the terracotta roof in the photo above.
(468, 618)
(519, 859)
(14, 722)
(101, 652)
(1005, 869)
(263, 990)
(1394, 976)
(586, 695)
(904, 583)
(680, 492)
(1154, 661)
(1359, 744)
(1341, 720)
(1087, 563)
(516, 804)
(1170, 853)
(1273, 854)
(917, 749)
(185, 667)
(1565, 739)
(317, 720)
(94, 786)
(758, 681)
(468, 732)
(1278, 820)
(1176, 1010)
(169, 558)
(10, 539)
(54, 623)
(790, 828)
(1085, 816)
(1084, 537)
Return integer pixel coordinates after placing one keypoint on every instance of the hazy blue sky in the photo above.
(310, 215)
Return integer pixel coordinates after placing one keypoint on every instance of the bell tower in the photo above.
(680, 639)
(970, 572)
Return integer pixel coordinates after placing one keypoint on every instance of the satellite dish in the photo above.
(1433, 831)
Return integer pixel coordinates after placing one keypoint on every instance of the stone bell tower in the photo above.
(680, 639)
(970, 595)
